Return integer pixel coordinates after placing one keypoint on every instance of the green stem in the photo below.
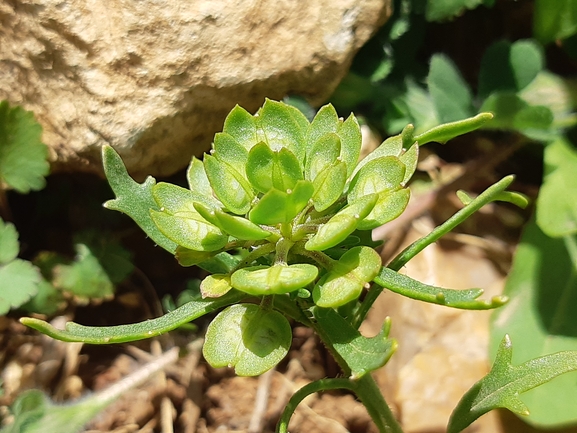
(487, 196)
(365, 388)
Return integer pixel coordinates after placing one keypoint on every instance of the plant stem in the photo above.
(370, 395)
(487, 196)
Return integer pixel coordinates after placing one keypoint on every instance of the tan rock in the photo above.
(155, 79)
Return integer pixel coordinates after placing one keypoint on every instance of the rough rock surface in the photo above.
(155, 78)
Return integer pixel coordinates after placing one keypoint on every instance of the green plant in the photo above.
(279, 213)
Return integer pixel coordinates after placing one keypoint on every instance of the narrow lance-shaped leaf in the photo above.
(132, 198)
(406, 286)
(134, 331)
(502, 386)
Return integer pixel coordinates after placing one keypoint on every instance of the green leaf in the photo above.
(197, 179)
(231, 188)
(325, 121)
(349, 132)
(268, 169)
(239, 227)
(272, 280)
(451, 94)
(388, 207)
(248, 338)
(447, 131)
(554, 20)
(215, 286)
(280, 207)
(283, 127)
(513, 113)
(502, 386)
(329, 185)
(9, 246)
(230, 151)
(410, 158)
(241, 125)
(361, 354)
(464, 299)
(190, 230)
(133, 199)
(188, 257)
(557, 201)
(324, 152)
(346, 279)
(392, 146)
(342, 224)
(23, 156)
(439, 10)
(176, 200)
(540, 317)
(134, 331)
(95, 271)
(507, 67)
(19, 281)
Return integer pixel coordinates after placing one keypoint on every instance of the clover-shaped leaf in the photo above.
(342, 224)
(277, 279)
(280, 207)
(347, 277)
(23, 156)
(231, 188)
(248, 338)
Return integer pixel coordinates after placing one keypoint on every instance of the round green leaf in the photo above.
(345, 281)
(248, 338)
(259, 167)
(277, 279)
(381, 174)
(229, 185)
(197, 180)
(215, 285)
(342, 224)
(388, 207)
(287, 170)
(326, 120)
(173, 199)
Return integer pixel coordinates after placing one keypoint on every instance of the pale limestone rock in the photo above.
(155, 78)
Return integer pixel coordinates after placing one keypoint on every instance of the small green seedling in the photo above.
(279, 213)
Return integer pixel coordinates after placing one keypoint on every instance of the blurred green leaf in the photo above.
(23, 156)
(554, 19)
(502, 386)
(248, 338)
(438, 10)
(133, 199)
(540, 318)
(557, 201)
(9, 246)
(451, 94)
(509, 67)
(19, 281)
